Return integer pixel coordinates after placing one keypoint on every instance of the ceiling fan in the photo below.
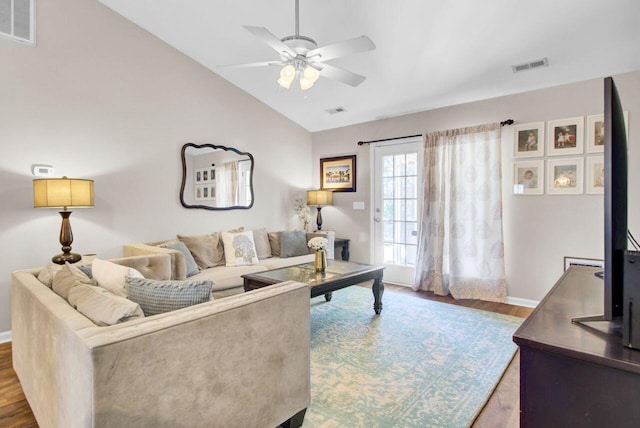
(301, 57)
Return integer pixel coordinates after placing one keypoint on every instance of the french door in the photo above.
(397, 196)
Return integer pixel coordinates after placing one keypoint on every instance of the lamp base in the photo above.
(61, 259)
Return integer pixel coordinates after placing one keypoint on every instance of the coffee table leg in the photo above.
(378, 290)
(327, 296)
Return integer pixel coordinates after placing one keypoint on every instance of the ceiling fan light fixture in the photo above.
(287, 74)
(311, 73)
(305, 83)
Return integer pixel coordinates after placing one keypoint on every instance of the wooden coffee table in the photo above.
(339, 274)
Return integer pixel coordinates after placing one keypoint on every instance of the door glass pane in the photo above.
(400, 208)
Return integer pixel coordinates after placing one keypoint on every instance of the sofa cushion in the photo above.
(261, 239)
(207, 250)
(101, 306)
(190, 263)
(157, 297)
(66, 278)
(112, 276)
(293, 243)
(239, 248)
(274, 242)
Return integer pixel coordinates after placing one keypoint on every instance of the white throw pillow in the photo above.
(239, 248)
(112, 276)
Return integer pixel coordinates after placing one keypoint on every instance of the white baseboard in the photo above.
(5, 336)
(522, 302)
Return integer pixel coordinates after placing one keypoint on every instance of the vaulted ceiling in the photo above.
(429, 53)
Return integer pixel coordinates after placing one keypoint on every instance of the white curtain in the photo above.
(227, 187)
(460, 245)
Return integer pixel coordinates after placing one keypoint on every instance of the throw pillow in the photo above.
(207, 250)
(111, 276)
(156, 297)
(261, 239)
(69, 276)
(101, 306)
(274, 242)
(239, 248)
(190, 263)
(86, 269)
(293, 243)
(48, 272)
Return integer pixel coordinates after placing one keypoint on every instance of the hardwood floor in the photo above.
(500, 411)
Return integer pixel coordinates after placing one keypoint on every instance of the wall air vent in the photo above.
(18, 20)
(335, 110)
(544, 62)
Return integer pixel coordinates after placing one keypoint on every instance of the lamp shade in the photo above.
(62, 193)
(319, 197)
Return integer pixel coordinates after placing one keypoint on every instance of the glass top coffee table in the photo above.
(339, 274)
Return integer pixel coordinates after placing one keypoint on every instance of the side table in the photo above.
(344, 244)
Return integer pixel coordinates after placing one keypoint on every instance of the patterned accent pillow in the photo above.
(293, 243)
(239, 248)
(157, 297)
(86, 269)
(190, 263)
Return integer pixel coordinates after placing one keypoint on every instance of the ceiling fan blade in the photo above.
(340, 49)
(267, 37)
(250, 64)
(339, 74)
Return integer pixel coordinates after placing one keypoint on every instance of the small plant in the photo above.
(303, 212)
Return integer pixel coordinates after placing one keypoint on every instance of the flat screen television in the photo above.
(615, 201)
(615, 206)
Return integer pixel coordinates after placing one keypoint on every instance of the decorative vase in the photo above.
(321, 260)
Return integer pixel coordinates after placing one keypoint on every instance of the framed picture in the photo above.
(338, 174)
(528, 177)
(528, 140)
(595, 132)
(564, 136)
(595, 175)
(565, 176)
(579, 261)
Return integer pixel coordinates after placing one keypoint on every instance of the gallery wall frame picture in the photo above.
(565, 136)
(528, 140)
(595, 132)
(565, 176)
(594, 175)
(338, 173)
(528, 177)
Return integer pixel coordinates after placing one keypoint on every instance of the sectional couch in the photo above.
(240, 361)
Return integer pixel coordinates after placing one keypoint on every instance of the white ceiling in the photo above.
(429, 53)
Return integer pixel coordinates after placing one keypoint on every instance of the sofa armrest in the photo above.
(178, 265)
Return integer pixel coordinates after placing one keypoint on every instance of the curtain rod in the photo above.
(506, 122)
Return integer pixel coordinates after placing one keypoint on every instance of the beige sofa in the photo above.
(227, 280)
(241, 361)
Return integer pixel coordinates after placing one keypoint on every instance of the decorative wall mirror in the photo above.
(216, 177)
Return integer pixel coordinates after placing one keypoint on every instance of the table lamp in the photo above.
(63, 193)
(319, 198)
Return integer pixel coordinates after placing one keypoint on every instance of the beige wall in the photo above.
(101, 98)
(538, 230)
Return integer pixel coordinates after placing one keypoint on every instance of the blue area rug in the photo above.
(419, 364)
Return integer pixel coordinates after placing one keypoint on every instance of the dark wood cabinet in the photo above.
(574, 375)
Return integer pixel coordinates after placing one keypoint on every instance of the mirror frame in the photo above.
(184, 176)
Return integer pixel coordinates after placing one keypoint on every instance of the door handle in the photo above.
(377, 219)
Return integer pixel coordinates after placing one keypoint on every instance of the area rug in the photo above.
(419, 364)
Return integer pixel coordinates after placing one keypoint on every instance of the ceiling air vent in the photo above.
(18, 20)
(335, 110)
(544, 62)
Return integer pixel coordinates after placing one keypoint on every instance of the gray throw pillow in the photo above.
(293, 243)
(157, 297)
(190, 263)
